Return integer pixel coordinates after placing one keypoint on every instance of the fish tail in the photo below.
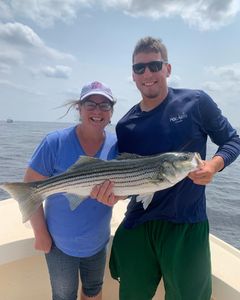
(26, 196)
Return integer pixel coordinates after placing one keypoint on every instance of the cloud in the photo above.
(22, 36)
(10, 58)
(227, 72)
(71, 93)
(5, 11)
(202, 14)
(58, 71)
(226, 83)
(211, 14)
(211, 86)
(174, 81)
(45, 13)
(4, 68)
(19, 87)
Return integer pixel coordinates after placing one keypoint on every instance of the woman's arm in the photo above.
(43, 239)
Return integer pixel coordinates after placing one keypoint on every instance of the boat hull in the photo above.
(24, 275)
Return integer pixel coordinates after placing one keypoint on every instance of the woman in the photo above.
(75, 241)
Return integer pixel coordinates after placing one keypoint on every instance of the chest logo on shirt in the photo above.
(178, 118)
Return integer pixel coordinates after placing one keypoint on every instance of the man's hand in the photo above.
(104, 193)
(206, 172)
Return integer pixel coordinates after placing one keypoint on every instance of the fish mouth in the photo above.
(197, 160)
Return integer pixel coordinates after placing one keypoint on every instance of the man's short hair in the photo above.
(149, 44)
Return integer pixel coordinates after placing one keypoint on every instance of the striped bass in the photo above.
(132, 175)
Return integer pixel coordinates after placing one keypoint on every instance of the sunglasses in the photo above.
(90, 105)
(153, 66)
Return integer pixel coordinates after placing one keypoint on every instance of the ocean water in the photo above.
(19, 139)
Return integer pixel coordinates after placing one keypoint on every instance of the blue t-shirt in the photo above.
(85, 230)
(182, 122)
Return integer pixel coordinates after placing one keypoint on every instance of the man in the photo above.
(169, 239)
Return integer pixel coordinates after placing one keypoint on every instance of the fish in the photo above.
(132, 175)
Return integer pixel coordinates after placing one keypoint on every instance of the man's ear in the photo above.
(169, 70)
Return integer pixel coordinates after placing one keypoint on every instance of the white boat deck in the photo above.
(23, 273)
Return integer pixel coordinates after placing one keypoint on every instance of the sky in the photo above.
(50, 48)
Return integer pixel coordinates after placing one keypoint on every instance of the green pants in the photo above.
(179, 253)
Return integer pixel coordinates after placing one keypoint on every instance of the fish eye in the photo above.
(185, 157)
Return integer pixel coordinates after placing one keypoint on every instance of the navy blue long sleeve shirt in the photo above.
(182, 122)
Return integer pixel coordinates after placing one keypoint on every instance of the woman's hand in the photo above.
(104, 193)
(43, 240)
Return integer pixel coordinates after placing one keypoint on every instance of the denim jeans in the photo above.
(64, 274)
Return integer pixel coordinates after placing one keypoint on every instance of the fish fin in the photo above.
(74, 200)
(168, 179)
(126, 155)
(25, 194)
(84, 161)
(146, 199)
